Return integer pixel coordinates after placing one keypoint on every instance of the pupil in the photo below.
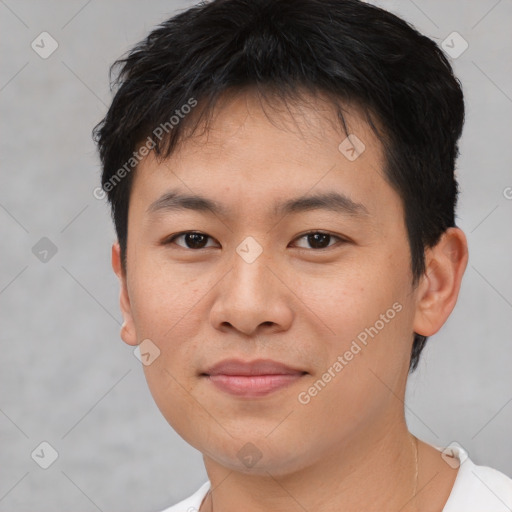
(194, 240)
(316, 239)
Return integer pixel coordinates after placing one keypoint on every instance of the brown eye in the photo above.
(318, 240)
(192, 240)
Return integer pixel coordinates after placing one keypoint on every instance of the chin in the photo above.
(254, 455)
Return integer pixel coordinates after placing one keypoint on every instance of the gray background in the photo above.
(66, 376)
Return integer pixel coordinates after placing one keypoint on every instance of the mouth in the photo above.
(252, 379)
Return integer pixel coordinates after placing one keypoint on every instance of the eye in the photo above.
(192, 239)
(196, 240)
(319, 239)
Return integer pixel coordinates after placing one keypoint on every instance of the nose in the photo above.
(253, 298)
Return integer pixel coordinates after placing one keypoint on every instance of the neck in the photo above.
(375, 470)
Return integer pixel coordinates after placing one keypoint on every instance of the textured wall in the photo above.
(67, 378)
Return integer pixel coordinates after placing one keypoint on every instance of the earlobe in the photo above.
(439, 286)
(128, 332)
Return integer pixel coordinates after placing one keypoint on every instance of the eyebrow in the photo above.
(332, 201)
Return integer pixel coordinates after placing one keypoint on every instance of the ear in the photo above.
(128, 333)
(439, 287)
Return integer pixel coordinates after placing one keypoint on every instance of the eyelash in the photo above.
(171, 239)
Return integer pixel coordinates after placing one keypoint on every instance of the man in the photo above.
(281, 175)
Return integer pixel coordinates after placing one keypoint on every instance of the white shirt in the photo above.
(476, 488)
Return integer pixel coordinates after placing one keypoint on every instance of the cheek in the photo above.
(163, 296)
(351, 297)
(167, 309)
(360, 380)
(368, 310)
(174, 397)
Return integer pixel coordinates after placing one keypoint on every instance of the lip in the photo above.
(252, 378)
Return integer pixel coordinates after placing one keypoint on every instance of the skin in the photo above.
(349, 447)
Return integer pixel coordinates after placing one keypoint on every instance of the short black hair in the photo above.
(349, 50)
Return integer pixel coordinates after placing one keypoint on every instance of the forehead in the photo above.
(248, 117)
(255, 152)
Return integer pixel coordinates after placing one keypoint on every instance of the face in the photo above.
(273, 272)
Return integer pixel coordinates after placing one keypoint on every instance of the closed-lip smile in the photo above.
(252, 379)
